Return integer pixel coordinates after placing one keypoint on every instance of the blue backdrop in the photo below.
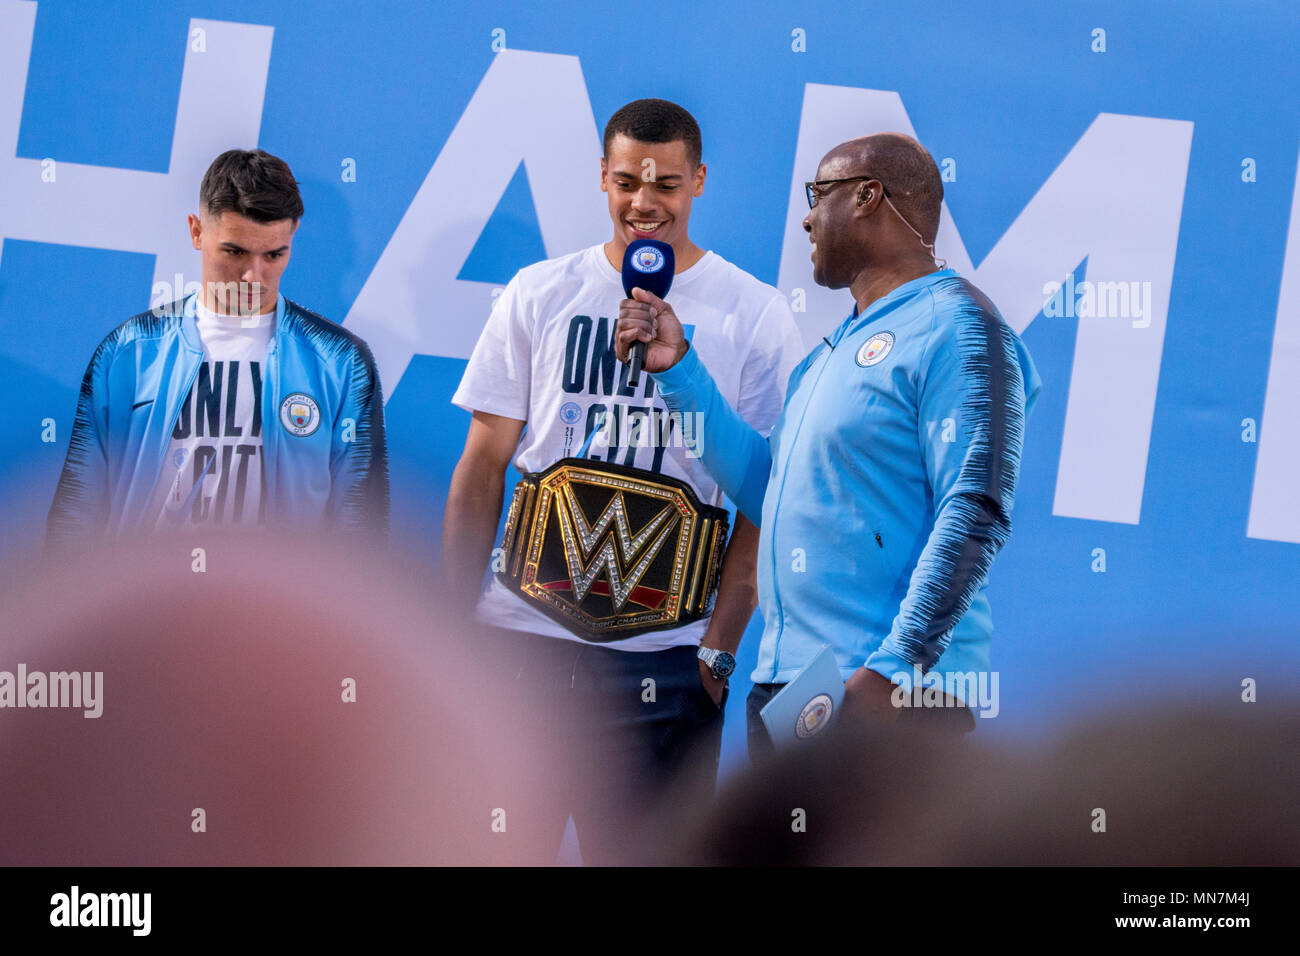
(1195, 593)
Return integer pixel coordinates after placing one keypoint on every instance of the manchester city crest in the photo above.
(875, 349)
(299, 414)
(647, 259)
(814, 717)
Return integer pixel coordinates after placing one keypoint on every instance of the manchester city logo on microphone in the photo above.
(875, 349)
(299, 414)
(814, 717)
(647, 259)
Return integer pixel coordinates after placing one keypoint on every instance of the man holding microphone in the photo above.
(886, 487)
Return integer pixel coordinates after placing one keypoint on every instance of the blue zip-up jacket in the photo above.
(335, 477)
(887, 485)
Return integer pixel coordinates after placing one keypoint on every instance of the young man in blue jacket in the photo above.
(232, 406)
(886, 487)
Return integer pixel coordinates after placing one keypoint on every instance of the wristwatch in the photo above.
(720, 662)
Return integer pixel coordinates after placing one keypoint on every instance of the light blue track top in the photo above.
(887, 485)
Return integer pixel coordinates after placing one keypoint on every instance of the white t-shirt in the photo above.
(546, 357)
(216, 445)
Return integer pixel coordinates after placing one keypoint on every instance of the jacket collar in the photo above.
(190, 326)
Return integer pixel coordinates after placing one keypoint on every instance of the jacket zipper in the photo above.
(270, 418)
(794, 439)
(172, 419)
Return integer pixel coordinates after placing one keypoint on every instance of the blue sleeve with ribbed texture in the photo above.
(972, 375)
(736, 455)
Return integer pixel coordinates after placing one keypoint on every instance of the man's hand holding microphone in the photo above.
(647, 318)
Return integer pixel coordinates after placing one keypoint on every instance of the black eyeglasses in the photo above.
(813, 195)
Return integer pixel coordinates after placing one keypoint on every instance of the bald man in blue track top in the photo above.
(887, 485)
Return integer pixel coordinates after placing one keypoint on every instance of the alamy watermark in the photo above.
(75, 908)
(641, 428)
(1099, 300)
(230, 298)
(977, 690)
(74, 689)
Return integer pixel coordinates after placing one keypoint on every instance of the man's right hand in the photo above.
(647, 318)
(469, 522)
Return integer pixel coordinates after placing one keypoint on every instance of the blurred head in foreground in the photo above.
(287, 704)
(1173, 786)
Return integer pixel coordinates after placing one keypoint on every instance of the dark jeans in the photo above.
(629, 757)
(958, 720)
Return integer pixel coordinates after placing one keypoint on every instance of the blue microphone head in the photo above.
(648, 264)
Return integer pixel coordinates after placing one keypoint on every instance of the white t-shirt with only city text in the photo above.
(216, 444)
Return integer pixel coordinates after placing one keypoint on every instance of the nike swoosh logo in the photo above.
(138, 404)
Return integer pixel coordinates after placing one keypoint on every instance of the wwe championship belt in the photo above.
(611, 551)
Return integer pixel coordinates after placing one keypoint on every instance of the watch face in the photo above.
(723, 665)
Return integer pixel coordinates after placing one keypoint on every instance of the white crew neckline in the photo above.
(203, 314)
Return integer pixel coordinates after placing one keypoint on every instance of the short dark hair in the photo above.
(656, 121)
(252, 183)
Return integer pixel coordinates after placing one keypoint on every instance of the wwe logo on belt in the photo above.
(597, 545)
(650, 559)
